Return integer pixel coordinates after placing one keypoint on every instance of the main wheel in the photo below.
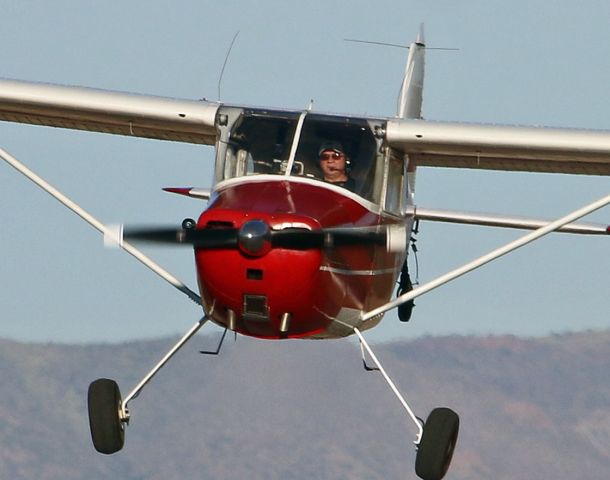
(107, 429)
(437, 444)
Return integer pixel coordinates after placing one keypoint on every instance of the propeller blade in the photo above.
(206, 238)
(394, 237)
(252, 233)
(330, 237)
(297, 238)
(355, 236)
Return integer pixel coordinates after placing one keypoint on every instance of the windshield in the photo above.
(338, 150)
(259, 144)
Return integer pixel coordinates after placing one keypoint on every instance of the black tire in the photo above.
(405, 310)
(107, 429)
(437, 444)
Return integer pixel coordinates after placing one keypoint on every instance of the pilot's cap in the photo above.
(334, 146)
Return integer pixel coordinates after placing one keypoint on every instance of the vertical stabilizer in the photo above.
(411, 91)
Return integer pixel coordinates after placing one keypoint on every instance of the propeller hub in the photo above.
(254, 238)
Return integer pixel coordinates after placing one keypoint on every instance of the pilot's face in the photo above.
(332, 162)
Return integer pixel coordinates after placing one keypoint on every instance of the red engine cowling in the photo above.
(268, 293)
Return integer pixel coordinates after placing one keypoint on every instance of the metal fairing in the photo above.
(325, 291)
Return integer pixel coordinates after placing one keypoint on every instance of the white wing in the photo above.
(499, 147)
(427, 143)
(109, 112)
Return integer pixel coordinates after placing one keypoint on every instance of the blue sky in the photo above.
(521, 62)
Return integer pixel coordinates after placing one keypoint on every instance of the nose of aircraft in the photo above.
(261, 288)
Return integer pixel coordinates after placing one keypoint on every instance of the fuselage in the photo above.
(268, 174)
(291, 293)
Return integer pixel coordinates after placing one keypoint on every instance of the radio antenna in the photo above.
(376, 43)
(384, 44)
(222, 71)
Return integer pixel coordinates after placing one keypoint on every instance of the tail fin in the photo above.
(411, 91)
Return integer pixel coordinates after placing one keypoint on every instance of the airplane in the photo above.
(309, 217)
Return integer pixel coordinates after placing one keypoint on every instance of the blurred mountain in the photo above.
(530, 409)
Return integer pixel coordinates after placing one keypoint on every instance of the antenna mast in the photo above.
(222, 71)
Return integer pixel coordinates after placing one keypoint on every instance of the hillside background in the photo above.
(530, 409)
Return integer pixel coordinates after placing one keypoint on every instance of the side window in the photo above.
(394, 188)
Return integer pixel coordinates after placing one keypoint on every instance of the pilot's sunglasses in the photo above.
(328, 156)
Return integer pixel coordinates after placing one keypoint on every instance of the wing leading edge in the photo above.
(118, 113)
(435, 144)
(499, 147)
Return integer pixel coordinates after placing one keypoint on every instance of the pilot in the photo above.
(334, 164)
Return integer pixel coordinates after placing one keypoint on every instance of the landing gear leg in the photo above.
(389, 381)
(108, 413)
(436, 439)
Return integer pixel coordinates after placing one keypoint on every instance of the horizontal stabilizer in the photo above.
(201, 193)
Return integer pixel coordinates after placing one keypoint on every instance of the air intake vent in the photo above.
(218, 224)
(255, 308)
(254, 274)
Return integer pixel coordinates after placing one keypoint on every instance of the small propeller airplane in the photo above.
(310, 216)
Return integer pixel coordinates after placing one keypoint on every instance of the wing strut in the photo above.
(503, 221)
(479, 262)
(95, 223)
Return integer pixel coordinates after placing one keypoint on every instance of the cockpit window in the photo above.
(260, 142)
(341, 142)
